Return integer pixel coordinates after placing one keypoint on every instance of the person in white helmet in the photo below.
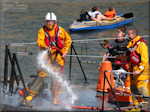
(57, 42)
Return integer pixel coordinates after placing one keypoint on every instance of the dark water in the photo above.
(21, 20)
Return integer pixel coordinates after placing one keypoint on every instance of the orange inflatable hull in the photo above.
(123, 95)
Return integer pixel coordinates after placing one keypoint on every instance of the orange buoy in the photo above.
(106, 65)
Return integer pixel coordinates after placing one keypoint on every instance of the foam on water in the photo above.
(71, 97)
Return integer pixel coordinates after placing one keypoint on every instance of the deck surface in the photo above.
(86, 97)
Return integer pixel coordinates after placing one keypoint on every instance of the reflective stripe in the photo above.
(46, 34)
(58, 33)
(132, 49)
(141, 67)
(138, 42)
(135, 58)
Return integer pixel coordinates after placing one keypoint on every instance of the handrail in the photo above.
(84, 40)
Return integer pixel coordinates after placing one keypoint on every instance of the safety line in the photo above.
(132, 72)
(89, 56)
(86, 56)
(144, 36)
(33, 43)
(115, 71)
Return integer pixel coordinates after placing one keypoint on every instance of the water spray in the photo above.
(57, 75)
(42, 64)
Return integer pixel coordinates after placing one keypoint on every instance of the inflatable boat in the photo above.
(106, 24)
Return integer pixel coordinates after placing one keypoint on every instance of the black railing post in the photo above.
(86, 48)
(111, 89)
(81, 48)
(103, 93)
(19, 70)
(5, 69)
(80, 64)
(11, 84)
(14, 69)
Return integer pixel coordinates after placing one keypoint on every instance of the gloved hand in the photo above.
(64, 55)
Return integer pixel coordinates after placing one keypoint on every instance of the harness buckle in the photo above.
(53, 43)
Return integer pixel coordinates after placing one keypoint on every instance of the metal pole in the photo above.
(81, 48)
(80, 64)
(89, 56)
(19, 70)
(12, 76)
(14, 69)
(34, 43)
(70, 64)
(111, 88)
(103, 93)
(86, 48)
(113, 38)
(5, 69)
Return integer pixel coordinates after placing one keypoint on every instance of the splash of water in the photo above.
(42, 64)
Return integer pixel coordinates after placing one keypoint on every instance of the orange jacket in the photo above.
(65, 38)
(110, 13)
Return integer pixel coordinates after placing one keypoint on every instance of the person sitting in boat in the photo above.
(97, 16)
(111, 12)
(139, 65)
(84, 16)
(116, 47)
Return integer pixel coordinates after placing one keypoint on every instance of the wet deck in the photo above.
(86, 97)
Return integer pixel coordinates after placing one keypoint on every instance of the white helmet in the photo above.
(50, 16)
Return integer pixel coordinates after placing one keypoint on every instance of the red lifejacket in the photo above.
(134, 57)
(53, 40)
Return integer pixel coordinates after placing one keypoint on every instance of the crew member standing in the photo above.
(139, 65)
(57, 41)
